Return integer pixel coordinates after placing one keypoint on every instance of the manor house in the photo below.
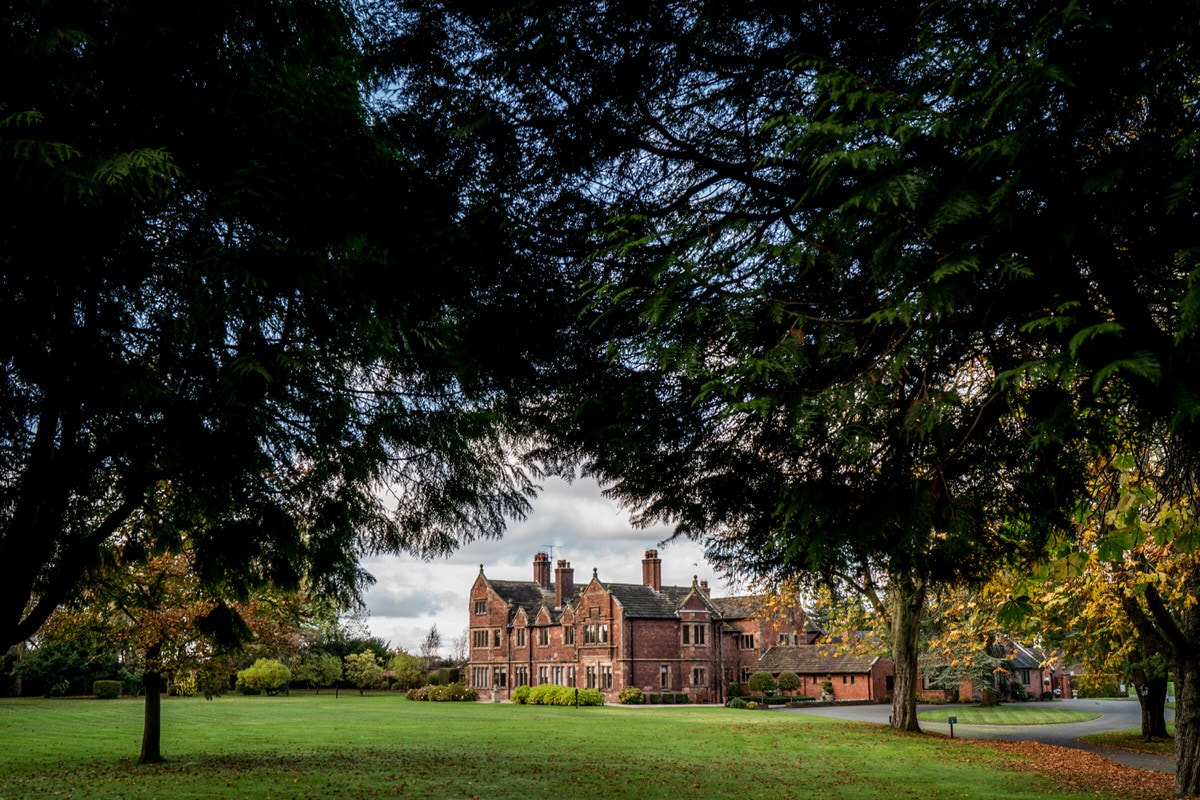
(658, 638)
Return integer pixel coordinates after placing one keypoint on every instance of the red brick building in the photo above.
(611, 635)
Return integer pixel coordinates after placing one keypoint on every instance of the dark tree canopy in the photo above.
(236, 305)
(871, 280)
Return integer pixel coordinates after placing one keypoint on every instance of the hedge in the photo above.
(549, 694)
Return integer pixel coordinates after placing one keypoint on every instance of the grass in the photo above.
(1131, 739)
(306, 746)
(1008, 714)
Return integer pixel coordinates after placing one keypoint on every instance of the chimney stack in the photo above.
(704, 588)
(652, 570)
(564, 583)
(541, 570)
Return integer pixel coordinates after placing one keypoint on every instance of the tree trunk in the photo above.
(907, 599)
(1187, 728)
(1152, 696)
(152, 721)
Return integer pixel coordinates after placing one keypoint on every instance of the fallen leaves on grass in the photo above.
(1080, 770)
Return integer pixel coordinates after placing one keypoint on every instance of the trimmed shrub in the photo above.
(737, 702)
(520, 695)
(734, 689)
(681, 698)
(788, 682)
(667, 697)
(106, 690)
(447, 693)
(549, 694)
(761, 683)
(654, 698)
(752, 705)
(1047, 695)
(631, 696)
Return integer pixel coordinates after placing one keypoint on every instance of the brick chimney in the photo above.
(564, 583)
(704, 588)
(541, 570)
(652, 570)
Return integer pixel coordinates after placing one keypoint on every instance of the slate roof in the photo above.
(1022, 657)
(642, 602)
(528, 595)
(809, 659)
(741, 607)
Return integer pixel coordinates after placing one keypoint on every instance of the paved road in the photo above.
(1114, 715)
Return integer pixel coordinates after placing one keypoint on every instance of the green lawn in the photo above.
(307, 746)
(1131, 739)
(1008, 714)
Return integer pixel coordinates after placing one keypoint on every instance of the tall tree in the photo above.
(231, 301)
(874, 279)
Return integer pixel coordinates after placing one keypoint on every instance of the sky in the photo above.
(571, 521)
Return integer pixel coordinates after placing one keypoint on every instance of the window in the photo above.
(664, 676)
(1025, 677)
(591, 677)
(686, 631)
(543, 674)
(480, 607)
(595, 633)
(556, 676)
(479, 639)
(698, 633)
(543, 637)
(606, 676)
(496, 638)
(500, 677)
(479, 676)
(844, 679)
(568, 634)
(698, 678)
(520, 637)
(520, 676)
(745, 641)
(570, 676)
(851, 680)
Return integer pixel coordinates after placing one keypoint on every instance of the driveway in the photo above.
(1114, 715)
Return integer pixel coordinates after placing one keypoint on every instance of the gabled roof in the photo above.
(528, 595)
(1022, 657)
(741, 607)
(812, 659)
(644, 603)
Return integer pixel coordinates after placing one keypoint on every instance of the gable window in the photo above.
(520, 637)
(595, 633)
(745, 641)
(480, 607)
(698, 633)
(568, 634)
(496, 638)
(543, 637)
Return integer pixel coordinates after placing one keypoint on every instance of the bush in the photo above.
(266, 675)
(444, 693)
(520, 695)
(734, 689)
(752, 705)
(681, 698)
(654, 699)
(549, 694)
(1047, 695)
(631, 696)
(244, 689)
(1018, 692)
(738, 702)
(106, 690)
(668, 697)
